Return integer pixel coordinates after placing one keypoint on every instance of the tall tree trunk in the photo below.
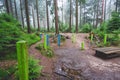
(27, 16)
(102, 11)
(11, 7)
(47, 13)
(80, 13)
(72, 20)
(94, 18)
(110, 9)
(56, 17)
(62, 13)
(15, 9)
(37, 15)
(33, 17)
(76, 16)
(22, 14)
(7, 6)
(105, 11)
(70, 15)
(116, 8)
(97, 14)
(84, 14)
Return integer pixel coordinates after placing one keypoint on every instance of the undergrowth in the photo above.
(35, 70)
(49, 52)
(11, 32)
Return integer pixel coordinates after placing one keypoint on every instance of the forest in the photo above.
(59, 39)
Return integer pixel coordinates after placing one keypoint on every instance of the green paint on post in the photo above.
(82, 46)
(45, 42)
(91, 37)
(105, 39)
(73, 38)
(22, 56)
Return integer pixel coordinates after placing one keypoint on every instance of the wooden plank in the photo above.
(107, 49)
(115, 51)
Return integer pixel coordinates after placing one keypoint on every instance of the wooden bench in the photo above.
(107, 52)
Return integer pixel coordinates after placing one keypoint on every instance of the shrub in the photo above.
(30, 38)
(73, 29)
(114, 23)
(9, 32)
(49, 52)
(34, 69)
(103, 27)
(86, 28)
(5, 74)
(114, 39)
(63, 38)
(64, 27)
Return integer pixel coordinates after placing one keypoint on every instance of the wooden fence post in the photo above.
(82, 46)
(105, 39)
(22, 56)
(45, 42)
(47, 36)
(40, 36)
(91, 37)
(59, 37)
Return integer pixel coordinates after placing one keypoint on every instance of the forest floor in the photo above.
(71, 63)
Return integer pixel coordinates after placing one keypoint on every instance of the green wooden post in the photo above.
(82, 46)
(73, 38)
(45, 42)
(91, 37)
(22, 56)
(105, 39)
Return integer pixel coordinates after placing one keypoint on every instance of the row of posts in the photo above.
(22, 53)
(104, 40)
(22, 56)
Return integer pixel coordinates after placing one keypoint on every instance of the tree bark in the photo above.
(116, 8)
(22, 14)
(33, 17)
(47, 13)
(110, 9)
(102, 11)
(16, 9)
(56, 17)
(37, 15)
(11, 7)
(70, 15)
(27, 15)
(62, 13)
(94, 18)
(97, 14)
(76, 16)
(84, 14)
(105, 11)
(7, 6)
(80, 13)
